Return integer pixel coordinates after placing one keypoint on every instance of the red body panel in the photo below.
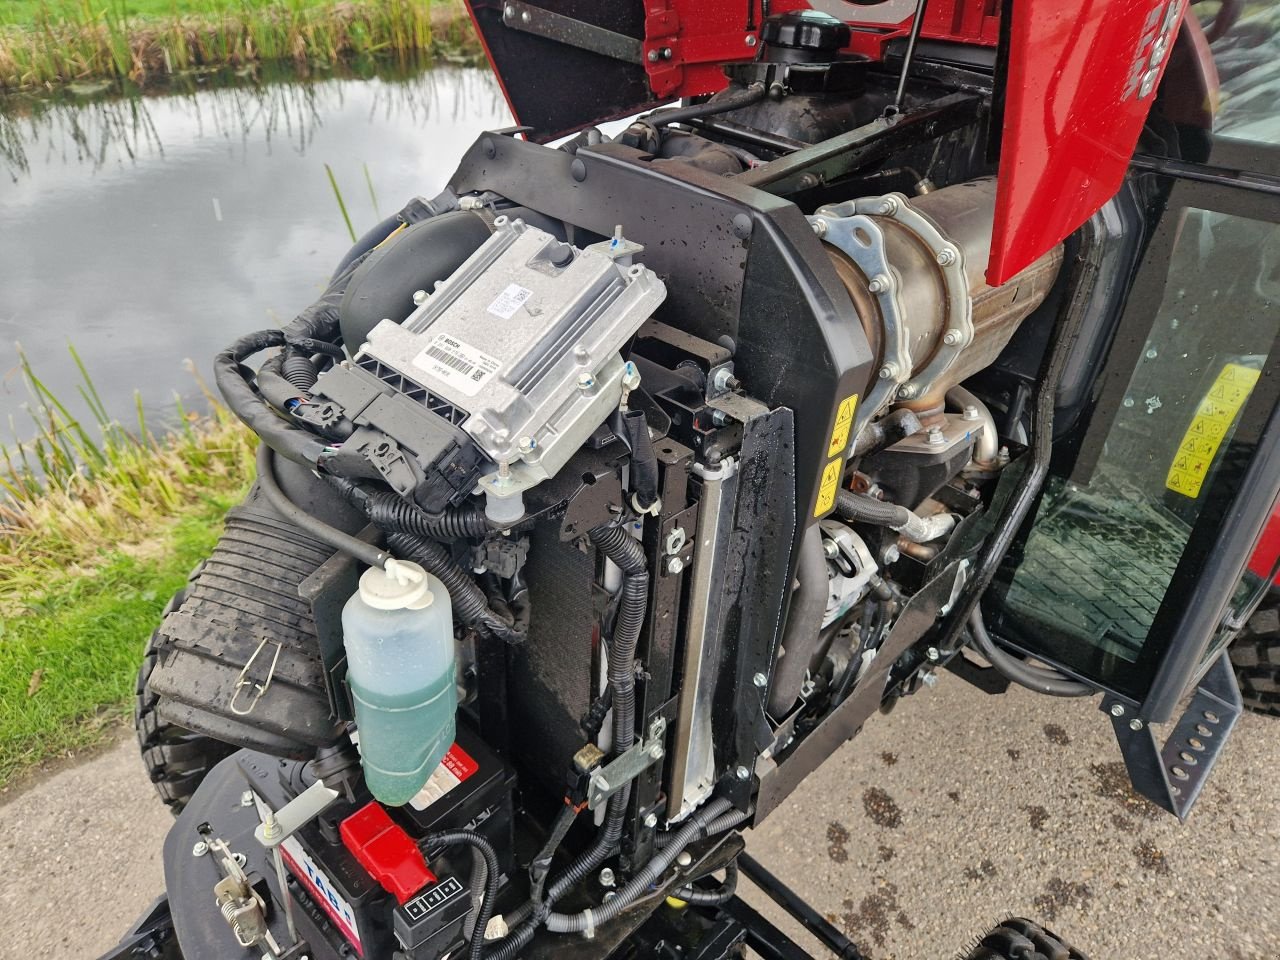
(1267, 551)
(1081, 80)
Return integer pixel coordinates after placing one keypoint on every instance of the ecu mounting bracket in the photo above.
(1172, 776)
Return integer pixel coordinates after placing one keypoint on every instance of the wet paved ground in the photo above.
(953, 812)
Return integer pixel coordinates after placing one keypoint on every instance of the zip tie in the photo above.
(590, 931)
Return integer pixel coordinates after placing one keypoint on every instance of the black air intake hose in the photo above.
(469, 602)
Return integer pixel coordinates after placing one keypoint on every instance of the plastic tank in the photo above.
(398, 631)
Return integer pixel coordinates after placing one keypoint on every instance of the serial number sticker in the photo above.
(318, 884)
(1209, 427)
(509, 301)
(844, 421)
(433, 898)
(827, 489)
(458, 364)
(456, 767)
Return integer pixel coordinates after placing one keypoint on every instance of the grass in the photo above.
(99, 525)
(44, 43)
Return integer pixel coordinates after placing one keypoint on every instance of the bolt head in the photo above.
(946, 257)
(1135, 724)
(879, 284)
(653, 56)
(419, 297)
(742, 773)
(888, 206)
(933, 653)
(527, 444)
(936, 436)
(684, 858)
(751, 40)
(1117, 709)
(951, 337)
(907, 391)
(200, 849)
(246, 799)
(525, 17)
(760, 680)
(719, 418)
(509, 11)
(651, 820)
(675, 565)
(656, 751)
(970, 413)
(889, 371)
(586, 381)
(819, 227)
(607, 878)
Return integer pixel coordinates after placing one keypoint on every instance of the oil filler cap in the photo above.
(384, 849)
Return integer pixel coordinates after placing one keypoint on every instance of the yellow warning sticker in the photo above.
(1213, 419)
(844, 421)
(830, 484)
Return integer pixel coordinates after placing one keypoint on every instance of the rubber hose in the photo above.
(858, 506)
(644, 462)
(470, 605)
(392, 512)
(453, 838)
(362, 551)
(1040, 680)
(299, 370)
(803, 628)
(645, 877)
(734, 101)
(712, 898)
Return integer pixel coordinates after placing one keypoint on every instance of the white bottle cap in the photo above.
(400, 585)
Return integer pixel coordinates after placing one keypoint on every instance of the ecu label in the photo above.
(844, 421)
(1208, 428)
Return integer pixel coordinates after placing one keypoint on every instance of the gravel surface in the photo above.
(955, 811)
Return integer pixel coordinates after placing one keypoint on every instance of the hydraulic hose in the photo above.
(365, 552)
(711, 898)
(734, 101)
(647, 876)
(453, 838)
(859, 506)
(1039, 679)
(470, 605)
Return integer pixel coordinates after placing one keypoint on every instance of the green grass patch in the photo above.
(99, 525)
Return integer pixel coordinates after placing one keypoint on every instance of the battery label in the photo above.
(1209, 427)
(456, 767)
(433, 898)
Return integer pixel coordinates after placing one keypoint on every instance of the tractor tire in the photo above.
(1255, 654)
(176, 759)
(1018, 939)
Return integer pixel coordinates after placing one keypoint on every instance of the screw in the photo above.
(246, 799)
(951, 337)
(933, 653)
(742, 773)
(970, 412)
(889, 371)
(684, 859)
(946, 257)
(760, 680)
(527, 445)
(719, 418)
(879, 284)
(651, 821)
(419, 297)
(586, 381)
(607, 878)
(751, 40)
(675, 565)
(652, 56)
(200, 849)
(1135, 724)
(819, 227)
(936, 436)
(656, 751)
(1117, 709)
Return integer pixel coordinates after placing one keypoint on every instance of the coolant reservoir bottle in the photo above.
(398, 631)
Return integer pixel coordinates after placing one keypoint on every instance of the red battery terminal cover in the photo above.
(386, 851)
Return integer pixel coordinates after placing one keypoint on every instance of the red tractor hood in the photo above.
(1080, 80)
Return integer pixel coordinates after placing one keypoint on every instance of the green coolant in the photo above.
(398, 632)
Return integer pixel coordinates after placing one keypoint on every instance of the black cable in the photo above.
(453, 838)
(365, 552)
(752, 94)
(711, 898)
(1039, 679)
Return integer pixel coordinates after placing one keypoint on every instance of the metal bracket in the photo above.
(1172, 776)
(574, 33)
(608, 780)
(278, 825)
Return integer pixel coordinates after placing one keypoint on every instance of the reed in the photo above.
(51, 42)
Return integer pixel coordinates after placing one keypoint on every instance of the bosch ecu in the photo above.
(603, 496)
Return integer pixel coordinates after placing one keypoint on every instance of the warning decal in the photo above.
(1214, 416)
(844, 421)
(456, 767)
(830, 484)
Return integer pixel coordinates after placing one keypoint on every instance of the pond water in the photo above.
(148, 230)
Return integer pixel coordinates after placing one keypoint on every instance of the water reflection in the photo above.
(148, 230)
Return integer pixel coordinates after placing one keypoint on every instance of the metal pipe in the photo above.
(987, 447)
(790, 901)
(916, 24)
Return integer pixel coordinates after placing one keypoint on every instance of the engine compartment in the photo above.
(696, 426)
